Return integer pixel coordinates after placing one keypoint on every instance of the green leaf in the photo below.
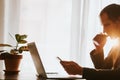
(23, 37)
(22, 42)
(20, 38)
(7, 45)
(20, 51)
(17, 36)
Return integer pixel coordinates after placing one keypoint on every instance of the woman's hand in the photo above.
(99, 40)
(71, 67)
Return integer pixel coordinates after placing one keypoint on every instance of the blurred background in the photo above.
(63, 28)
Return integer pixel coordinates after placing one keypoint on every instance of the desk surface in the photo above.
(21, 76)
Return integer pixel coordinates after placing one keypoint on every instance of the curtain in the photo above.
(63, 28)
(48, 23)
(88, 25)
(11, 20)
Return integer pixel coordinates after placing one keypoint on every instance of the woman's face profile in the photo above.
(110, 27)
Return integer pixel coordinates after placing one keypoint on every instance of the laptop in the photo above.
(41, 73)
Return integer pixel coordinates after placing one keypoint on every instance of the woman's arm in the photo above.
(89, 73)
(97, 55)
(101, 74)
(97, 58)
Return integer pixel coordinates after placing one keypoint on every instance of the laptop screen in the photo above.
(39, 66)
(36, 59)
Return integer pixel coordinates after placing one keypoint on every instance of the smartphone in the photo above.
(59, 58)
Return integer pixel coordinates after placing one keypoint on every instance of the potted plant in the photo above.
(13, 58)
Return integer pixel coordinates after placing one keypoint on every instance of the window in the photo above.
(63, 28)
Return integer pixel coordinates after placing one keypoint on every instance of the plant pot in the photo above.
(12, 63)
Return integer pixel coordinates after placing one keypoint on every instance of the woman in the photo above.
(106, 68)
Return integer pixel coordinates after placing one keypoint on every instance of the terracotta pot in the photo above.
(12, 62)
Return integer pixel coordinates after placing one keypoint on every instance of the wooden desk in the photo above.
(21, 76)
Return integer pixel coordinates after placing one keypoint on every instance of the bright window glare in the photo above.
(109, 44)
(114, 42)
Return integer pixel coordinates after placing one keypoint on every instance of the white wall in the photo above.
(48, 23)
(1, 20)
(12, 10)
(1, 27)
